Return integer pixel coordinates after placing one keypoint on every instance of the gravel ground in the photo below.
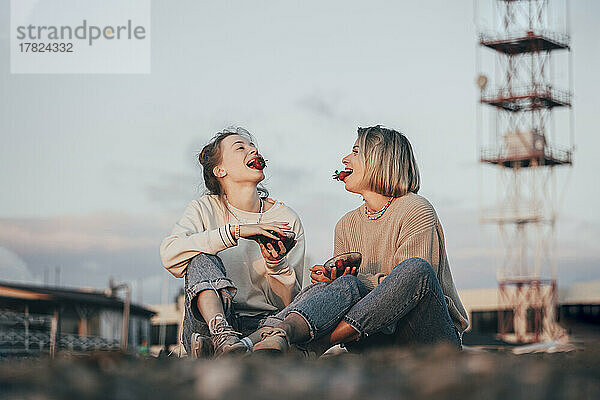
(434, 373)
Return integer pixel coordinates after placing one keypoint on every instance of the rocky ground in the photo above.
(438, 373)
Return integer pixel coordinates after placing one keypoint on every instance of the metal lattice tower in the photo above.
(523, 149)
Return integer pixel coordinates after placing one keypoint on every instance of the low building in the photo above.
(42, 319)
(578, 311)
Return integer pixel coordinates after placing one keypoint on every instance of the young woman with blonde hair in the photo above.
(403, 291)
(231, 282)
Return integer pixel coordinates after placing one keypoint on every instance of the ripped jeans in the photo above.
(206, 272)
(407, 307)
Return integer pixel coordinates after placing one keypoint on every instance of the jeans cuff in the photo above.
(312, 331)
(271, 320)
(356, 326)
(222, 285)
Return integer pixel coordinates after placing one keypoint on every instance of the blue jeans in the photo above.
(207, 272)
(407, 307)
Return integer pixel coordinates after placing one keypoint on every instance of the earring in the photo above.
(220, 174)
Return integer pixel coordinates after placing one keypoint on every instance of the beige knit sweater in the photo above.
(262, 286)
(408, 228)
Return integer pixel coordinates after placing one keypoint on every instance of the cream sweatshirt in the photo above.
(409, 228)
(261, 286)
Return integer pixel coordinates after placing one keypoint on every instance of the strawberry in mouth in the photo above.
(258, 163)
(341, 175)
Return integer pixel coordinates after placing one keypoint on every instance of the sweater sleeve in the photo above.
(340, 246)
(419, 244)
(285, 277)
(418, 237)
(189, 238)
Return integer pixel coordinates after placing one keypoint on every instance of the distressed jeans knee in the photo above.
(204, 272)
(207, 272)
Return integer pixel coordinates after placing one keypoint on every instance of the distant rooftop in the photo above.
(581, 293)
(9, 290)
(486, 299)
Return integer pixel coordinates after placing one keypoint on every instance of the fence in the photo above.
(34, 334)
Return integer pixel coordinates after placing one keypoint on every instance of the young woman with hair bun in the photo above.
(235, 277)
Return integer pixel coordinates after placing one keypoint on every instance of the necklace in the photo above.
(373, 215)
(260, 215)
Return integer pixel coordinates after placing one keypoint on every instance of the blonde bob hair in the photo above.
(389, 162)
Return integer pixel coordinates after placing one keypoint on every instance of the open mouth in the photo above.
(342, 175)
(257, 163)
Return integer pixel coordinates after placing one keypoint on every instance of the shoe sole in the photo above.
(270, 352)
(235, 351)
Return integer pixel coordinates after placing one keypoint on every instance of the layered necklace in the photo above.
(260, 212)
(373, 215)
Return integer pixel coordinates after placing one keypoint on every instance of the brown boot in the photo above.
(224, 339)
(273, 341)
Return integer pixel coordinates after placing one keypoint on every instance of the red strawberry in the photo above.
(258, 163)
(341, 175)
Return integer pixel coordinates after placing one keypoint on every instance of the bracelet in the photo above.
(236, 231)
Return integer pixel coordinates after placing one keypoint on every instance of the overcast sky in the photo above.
(96, 169)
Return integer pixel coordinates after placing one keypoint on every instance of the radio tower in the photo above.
(522, 148)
